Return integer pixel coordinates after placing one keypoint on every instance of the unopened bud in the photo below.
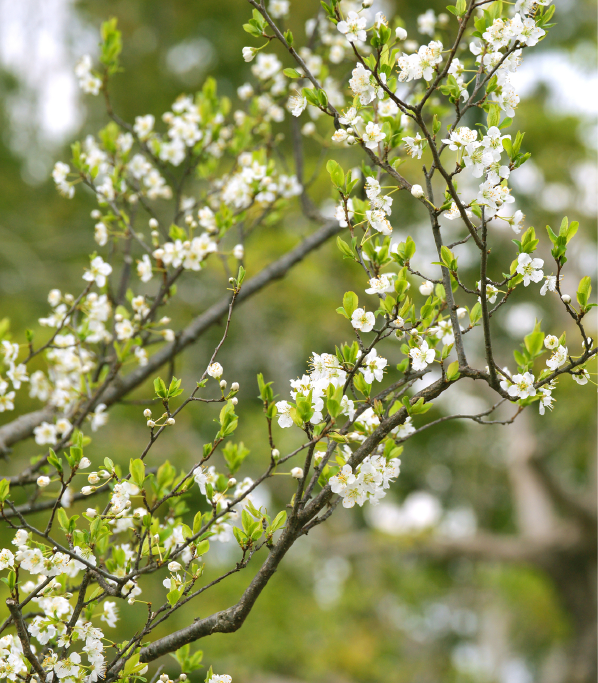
(275, 453)
(417, 191)
(234, 386)
(297, 473)
(151, 423)
(566, 299)
(232, 482)
(147, 413)
(234, 400)
(170, 421)
(223, 384)
(153, 223)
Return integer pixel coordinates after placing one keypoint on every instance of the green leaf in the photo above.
(292, 73)
(202, 547)
(137, 470)
(350, 303)
(63, 519)
(336, 173)
(4, 489)
(160, 388)
(279, 521)
(584, 290)
(452, 372)
(493, 118)
(174, 595)
(345, 249)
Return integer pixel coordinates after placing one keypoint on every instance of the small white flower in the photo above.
(421, 356)
(297, 104)
(558, 358)
(582, 378)
(529, 268)
(523, 386)
(373, 135)
(362, 320)
(353, 28)
(297, 473)
(98, 271)
(249, 53)
(42, 481)
(284, 414)
(426, 288)
(551, 342)
(215, 370)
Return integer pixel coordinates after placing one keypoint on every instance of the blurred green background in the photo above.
(360, 599)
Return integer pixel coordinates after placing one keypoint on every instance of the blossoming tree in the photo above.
(174, 195)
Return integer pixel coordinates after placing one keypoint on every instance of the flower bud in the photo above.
(84, 463)
(351, 140)
(88, 490)
(275, 453)
(297, 473)
(42, 482)
(151, 423)
(153, 223)
(367, 3)
(400, 33)
(232, 482)
(131, 601)
(461, 313)
(413, 332)
(147, 413)
(170, 421)
(417, 191)
(566, 299)
(90, 512)
(223, 384)
(173, 566)
(93, 478)
(234, 400)
(426, 288)
(249, 53)
(234, 386)
(239, 251)
(96, 214)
